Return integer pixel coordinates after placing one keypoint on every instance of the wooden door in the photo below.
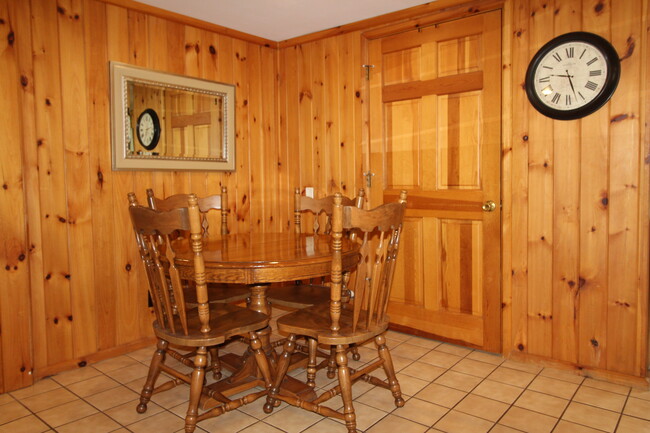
(435, 126)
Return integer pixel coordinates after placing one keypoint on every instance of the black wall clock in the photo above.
(572, 75)
(148, 129)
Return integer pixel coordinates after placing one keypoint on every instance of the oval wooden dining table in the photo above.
(257, 260)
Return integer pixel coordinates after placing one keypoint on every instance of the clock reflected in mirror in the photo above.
(572, 75)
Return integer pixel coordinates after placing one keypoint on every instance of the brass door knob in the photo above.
(489, 206)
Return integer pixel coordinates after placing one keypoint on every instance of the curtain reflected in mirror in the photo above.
(165, 121)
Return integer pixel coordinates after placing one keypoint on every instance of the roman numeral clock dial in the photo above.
(572, 75)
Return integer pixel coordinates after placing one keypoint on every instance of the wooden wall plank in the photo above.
(15, 255)
(71, 18)
(566, 202)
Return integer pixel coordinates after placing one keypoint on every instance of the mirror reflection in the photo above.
(168, 122)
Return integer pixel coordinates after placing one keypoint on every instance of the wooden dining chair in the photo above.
(178, 324)
(305, 294)
(339, 324)
(216, 202)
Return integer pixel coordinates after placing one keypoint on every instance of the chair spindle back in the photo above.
(212, 202)
(154, 231)
(378, 233)
(321, 209)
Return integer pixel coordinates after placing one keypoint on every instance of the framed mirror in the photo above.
(163, 121)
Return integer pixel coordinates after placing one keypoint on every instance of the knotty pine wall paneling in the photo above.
(579, 290)
(71, 288)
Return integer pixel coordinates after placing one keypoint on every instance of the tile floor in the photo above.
(447, 389)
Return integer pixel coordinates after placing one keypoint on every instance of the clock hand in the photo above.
(571, 83)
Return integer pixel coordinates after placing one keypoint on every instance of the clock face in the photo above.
(148, 129)
(572, 76)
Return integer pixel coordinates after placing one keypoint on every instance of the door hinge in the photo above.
(369, 175)
(367, 67)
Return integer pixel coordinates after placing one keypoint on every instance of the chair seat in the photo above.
(298, 295)
(220, 293)
(226, 320)
(315, 322)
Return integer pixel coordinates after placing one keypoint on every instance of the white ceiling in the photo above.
(279, 20)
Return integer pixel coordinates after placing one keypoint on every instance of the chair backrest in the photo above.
(153, 232)
(212, 202)
(378, 232)
(321, 209)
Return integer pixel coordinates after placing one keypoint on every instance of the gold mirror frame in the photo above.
(219, 142)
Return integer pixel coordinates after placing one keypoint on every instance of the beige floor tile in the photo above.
(162, 422)
(528, 421)
(498, 391)
(556, 387)
(76, 375)
(643, 394)
(591, 416)
(27, 424)
(98, 423)
(440, 359)
(511, 377)
(126, 414)
(11, 411)
(460, 381)
(66, 413)
(421, 411)
(600, 398)
(233, 421)
(379, 398)
(117, 363)
(409, 351)
(629, 424)
(638, 408)
(327, 425)
(143, 355)
(503, 429)
(128, 374)
(566, 375)
(261, 427)
(490, 358)
(542, 403)
(93, 386)
(482, 407)
(473, 367)
(292, 419)
(424, 371)
(441, 395)
(6, 398)
(424, 342)
(43, 385)
(410, 385)
(113, 397)
(522, 366)
(454, 350)
(49, 399)
(392, 424)
(399, 336)
(606, 386)
(172, 397)
(569, 427)
(366, 415)
(459, 422)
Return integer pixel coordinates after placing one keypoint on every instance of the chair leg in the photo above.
(283, 366)
(311, 365)
(260, 357)
(331, 364)
(215, 364)
(389, 369)
(346, 388)
(154, 371)
(196, 386)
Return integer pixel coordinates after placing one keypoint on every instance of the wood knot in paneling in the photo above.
(629, 50)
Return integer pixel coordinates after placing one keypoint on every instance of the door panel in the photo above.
(435, 131)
